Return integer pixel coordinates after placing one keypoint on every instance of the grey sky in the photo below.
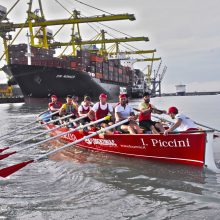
(186, 34)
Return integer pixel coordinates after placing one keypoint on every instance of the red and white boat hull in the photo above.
(176, 148)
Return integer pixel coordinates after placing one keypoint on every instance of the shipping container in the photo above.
(96, 64)
(111, 75)
(92, 69)
(98, 75)
(115, 77)
(73, 64)
(83, 54)
(120, 71)
(96, 58)
(98, 70)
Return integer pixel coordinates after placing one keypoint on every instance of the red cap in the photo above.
(54, 96)
(173, 110)
(103, 96)
(121, 96)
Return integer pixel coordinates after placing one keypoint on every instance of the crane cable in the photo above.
(112, 28)
(93, 7)
(70, 18)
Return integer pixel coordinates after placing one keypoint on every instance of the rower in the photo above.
(145, 121)
(183, 123)
(100, 110)
(84, 109)
(123, 111)
(69, 108)
(54, 106)
(75, 101)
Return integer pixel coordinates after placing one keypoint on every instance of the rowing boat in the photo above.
(184, 148)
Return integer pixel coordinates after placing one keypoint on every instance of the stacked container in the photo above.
(105, 70)
(110, 70)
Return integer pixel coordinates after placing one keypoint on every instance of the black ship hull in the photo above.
(40, 82)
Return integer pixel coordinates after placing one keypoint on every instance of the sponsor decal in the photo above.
(70, 136)
(133, 146)
(100, 142)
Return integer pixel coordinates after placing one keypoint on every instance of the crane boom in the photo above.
(78, 42)
(133, 52)
(148, 59)
(8, 26)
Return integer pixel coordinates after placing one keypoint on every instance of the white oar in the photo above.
(35, 127)
(205, 126)
(42, 113)
(2, 156)
(24, 126)
(45, 132)
(12, 169)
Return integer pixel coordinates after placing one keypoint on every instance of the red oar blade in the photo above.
(3, 156)
(3, 149)
(7, 171)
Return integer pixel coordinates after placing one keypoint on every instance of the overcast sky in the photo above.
(186, 34)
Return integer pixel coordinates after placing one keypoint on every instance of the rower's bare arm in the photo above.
(133, 116)
(112, 116)
(91, 114)
(118, 116)
(61, 111)
(145, 110)
(176, 125)
(158, 111)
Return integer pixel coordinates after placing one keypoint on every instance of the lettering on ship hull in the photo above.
(65, 76)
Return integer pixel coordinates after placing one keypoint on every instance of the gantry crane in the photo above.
(34, 19)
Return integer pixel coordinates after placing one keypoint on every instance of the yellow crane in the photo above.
(34, 19)
(133, 52)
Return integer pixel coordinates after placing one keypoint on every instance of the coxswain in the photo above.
(69, 108)
(145, 121)
(100, 110)
(183, 123)
(124, 111)
(84, 109)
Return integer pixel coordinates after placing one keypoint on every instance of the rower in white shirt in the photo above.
(125, 111)
(100, 110)
(183, 123)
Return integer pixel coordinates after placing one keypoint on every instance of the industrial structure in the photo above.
(106, 60)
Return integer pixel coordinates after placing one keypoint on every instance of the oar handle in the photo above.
(82, 139)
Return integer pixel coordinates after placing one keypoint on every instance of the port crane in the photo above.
(37, 25)
(34, 19)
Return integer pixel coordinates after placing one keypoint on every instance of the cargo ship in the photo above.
(40, 74)
(87, 73)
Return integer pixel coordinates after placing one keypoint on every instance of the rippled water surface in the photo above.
(92, 185)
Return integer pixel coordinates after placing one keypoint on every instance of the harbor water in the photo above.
(92, 185)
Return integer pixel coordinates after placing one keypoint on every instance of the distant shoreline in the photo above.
(192, 93)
